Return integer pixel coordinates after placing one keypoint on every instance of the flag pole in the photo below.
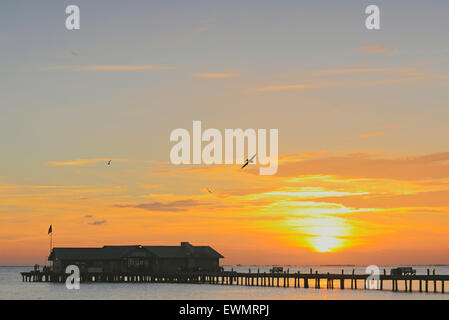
(51, 237)
(50, 232)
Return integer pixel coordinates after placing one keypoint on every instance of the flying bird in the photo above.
(208, 190)
(109, 162)
(248, 161)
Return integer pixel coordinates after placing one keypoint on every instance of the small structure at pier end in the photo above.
(137, 259)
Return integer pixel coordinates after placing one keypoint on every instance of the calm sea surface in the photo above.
(12, 287)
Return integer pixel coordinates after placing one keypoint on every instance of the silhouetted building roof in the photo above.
(185, 250)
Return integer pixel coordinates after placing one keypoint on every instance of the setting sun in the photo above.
(323, 234)
(325, 243)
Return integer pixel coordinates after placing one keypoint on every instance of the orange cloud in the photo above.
(431, 166)
(80, 162)
(282, 88)
(372, 134)
(302, 155)
(375, 48)
(344, 71)
(215, 75)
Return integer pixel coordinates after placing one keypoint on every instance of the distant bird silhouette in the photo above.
(248, 161)
(109, 162)
(208, 190)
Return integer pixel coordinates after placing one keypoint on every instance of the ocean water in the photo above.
(12, 287)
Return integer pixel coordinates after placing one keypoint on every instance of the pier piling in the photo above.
(285, 279)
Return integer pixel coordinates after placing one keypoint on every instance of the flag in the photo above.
(50, 230)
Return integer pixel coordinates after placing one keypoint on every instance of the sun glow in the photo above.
(325, 233)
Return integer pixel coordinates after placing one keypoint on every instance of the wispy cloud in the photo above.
(425, 167)
(372, 134)
(215, 75)
(297, 157)
(97, 222)
(202, 26)
(375, 48)
(80, 162)
(282, 88)
(352, 77)
(200, 29)
(174, 206)
(151, 186)
(113, 68)
(349, 70)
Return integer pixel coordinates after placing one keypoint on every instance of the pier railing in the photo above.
(405, 283)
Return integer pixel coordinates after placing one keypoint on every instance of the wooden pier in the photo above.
(396, 283)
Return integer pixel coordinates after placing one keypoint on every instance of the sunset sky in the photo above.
(363, 119)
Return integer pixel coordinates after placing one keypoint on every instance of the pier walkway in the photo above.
(405, 283)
